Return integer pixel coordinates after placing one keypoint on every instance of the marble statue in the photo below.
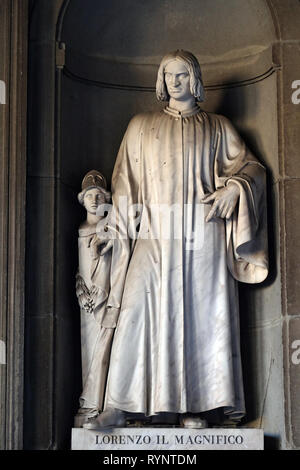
(176, 347)
(92, 289)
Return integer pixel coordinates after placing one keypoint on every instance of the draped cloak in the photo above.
(176, 346)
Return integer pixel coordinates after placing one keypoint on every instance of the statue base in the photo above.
(168, 438)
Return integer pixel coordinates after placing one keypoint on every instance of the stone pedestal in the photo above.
(172, 438)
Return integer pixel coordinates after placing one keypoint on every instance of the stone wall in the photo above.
(286, 17)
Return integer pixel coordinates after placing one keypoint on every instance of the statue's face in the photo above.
(177, 80)
(92, 199)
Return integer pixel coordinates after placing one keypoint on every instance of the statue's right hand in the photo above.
(223, 200)
(108, 245)
(99, 246)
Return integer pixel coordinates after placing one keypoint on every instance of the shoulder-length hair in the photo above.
(193, 67)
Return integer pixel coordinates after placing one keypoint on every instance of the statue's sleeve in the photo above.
(246, 230)
(125, 194)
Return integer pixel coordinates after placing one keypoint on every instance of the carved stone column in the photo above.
(13, 87)
(286, 18)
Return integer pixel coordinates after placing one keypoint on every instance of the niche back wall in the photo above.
(112, 52)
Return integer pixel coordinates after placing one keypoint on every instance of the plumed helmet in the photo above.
(93, 179)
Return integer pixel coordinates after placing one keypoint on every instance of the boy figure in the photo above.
(92, 289)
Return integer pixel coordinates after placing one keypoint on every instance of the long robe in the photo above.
(93, 276)
(176, 346)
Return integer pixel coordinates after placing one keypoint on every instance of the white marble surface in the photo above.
(200, 196)
(157, 438)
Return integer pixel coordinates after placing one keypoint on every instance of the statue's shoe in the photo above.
(192, 421)
(81, 419)
(109, 418)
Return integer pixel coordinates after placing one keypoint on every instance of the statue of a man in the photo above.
(176, 347)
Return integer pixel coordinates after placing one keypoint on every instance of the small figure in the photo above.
(92, 289)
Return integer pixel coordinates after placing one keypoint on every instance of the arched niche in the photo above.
(112, 52)
(113, 49)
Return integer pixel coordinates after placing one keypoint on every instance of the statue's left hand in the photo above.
(224, 201)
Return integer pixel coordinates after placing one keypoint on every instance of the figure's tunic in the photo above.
(176, 346)
(93, 284)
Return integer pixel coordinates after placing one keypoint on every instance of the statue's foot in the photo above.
(80, 420)
(109, 418)
(84, 415)
(192, 421)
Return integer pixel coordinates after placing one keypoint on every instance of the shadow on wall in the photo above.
(234, 105)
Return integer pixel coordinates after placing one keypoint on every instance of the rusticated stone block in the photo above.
(287, 14)
(291, 110)
(294, 360)
(292, 221)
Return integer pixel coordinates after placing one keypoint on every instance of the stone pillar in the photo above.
(13, 88)
(286, 18)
